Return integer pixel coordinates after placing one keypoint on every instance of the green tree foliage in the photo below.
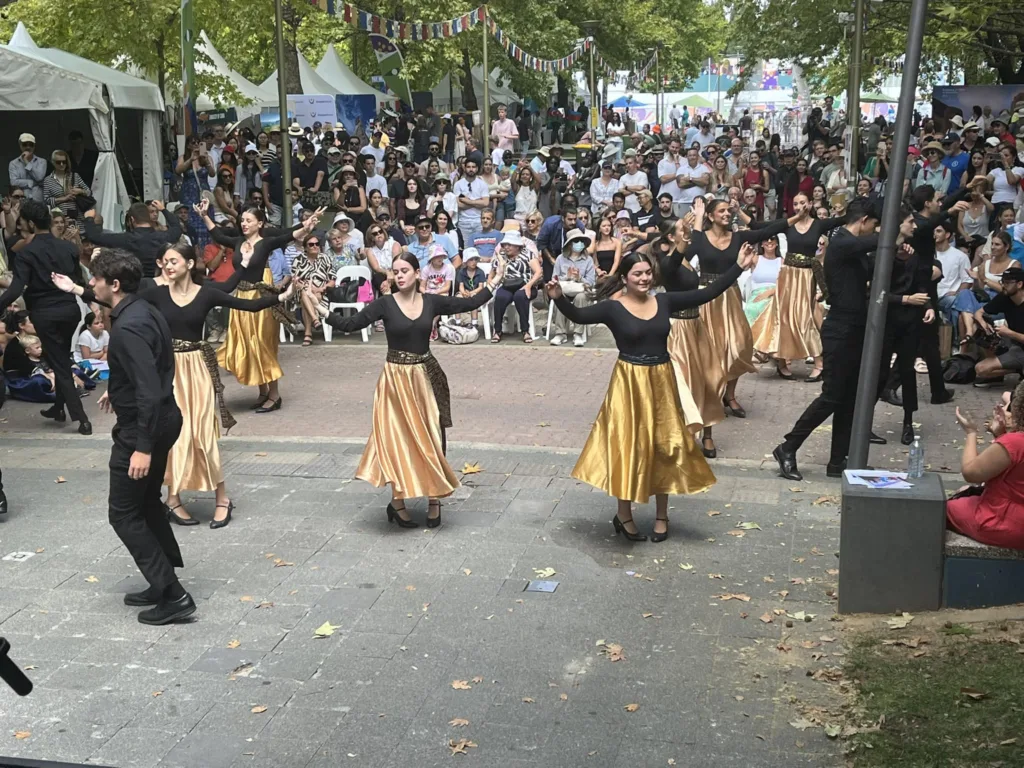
(982, 38)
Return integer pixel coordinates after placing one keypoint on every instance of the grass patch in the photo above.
(928, 721)
(958, 629)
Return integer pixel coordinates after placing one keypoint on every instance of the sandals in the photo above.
(496, 338)
(307, 341)
(527, 338)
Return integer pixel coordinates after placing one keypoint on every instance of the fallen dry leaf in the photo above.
(22, 735)
(60, 480)
(544, 573)
(1007, 742)
(899, 622)
(410, 588)
(822, 500)
(613, 651)
(40, 550)
(245, 599)
(325, 630)
(234, 644)
(91, 579)
(467, 571)
(686, 566)
(797, 580)
(259, 710)
(265, 604)
(714, 513)
(29, 668)
(783, 647)
(478, 679)
(461, 685)
(543, 424)
(796, 490)
(459, 747)
(802, 724)
(157, 693)
(714, 575)
(766, 618)
(527, 700)
(646, 615)
(458, 722)
(731, 596)
(631, 707)
(749, 526)
(260, 454)
(564, 697)
(738, 534)
(279, 563)
(832, 571)
(471, 469)
(973, 693)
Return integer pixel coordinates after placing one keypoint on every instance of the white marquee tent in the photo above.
(335, 71)
(312, 83)
(55, 92)
(448, 96)
(255, 94)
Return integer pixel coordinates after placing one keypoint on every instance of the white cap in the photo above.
(250, 147)
(26, 138)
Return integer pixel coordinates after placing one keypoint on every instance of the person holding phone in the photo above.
(196, 169)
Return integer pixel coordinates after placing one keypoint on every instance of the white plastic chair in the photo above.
(354, 274)
(513, 323)
(551, 313)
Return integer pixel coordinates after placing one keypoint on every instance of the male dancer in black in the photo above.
(142, 238)
(848, 268)
(140, 393)
(54, 314)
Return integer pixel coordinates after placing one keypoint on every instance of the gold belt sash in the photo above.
(438, 381)
(210, 359)
(279, 311)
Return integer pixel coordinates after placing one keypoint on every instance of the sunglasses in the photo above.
(423, 226)
(60, 162)
(28, 144)
(375, 233)
(313, 244)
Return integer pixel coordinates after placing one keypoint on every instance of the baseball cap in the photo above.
(26, 138)
(992, 141)
(1015, 274)
(914, 151)
(250, 147)
(334, 151)
(950, 138)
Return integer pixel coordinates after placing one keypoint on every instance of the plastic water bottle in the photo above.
(915, 466)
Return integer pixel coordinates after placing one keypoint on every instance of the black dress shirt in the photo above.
(144, 242)
(847, 272)
(141, 387)
(32, 269)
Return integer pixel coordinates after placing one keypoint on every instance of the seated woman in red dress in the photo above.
(996, 517)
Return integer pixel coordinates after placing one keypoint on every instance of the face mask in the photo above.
(577, 247)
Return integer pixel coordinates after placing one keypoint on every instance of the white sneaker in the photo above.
(558, 340)
(577, 339)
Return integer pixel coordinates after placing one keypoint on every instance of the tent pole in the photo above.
(286, 142)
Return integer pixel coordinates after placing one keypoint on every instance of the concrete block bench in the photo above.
(976, 575)
(890, 548)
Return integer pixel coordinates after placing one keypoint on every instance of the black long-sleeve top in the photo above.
(674, 276)
(909, 276)
(16, 362)
(847, 272)
(141, 360)
(404, 333)
(32, 269)
(253, 272)
(716, 262)
(636, 337)
(186, 322)
(144, 242)
(806, 243)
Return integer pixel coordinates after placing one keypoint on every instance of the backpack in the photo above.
(959, 369)
(454, 333)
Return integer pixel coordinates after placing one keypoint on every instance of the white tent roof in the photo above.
(254, 93)
(498, 93)
(312, 83)
(335, 71)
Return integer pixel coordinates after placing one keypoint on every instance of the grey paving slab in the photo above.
(414, 611)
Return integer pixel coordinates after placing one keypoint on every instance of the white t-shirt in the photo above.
(689, 194)
(704, 138)
(638, 179)
(377, 152)
(669, 166)
(955, 269)
(469, 217)
(1002, 191)
(94, 343)
(377, 182)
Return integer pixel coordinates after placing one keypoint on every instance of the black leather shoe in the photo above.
(787, 464)
(269, 406)
(52, 413)
(259, 403)
(434, 522)
(907, 438)
(835, 470)
(736, 410)
(177, 519)
(166, 611)
(877, 439)
(3, 503)
(889, 396)
(709, 453)
(85, 428)
(620, 528)
(658, 537)
(227, 518)
(149, 596)
(394, 517)
(945, 397)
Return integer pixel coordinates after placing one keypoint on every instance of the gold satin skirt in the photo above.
(765, 327)
(406, 447)
(250, 349)
(639, 446)
(700, 376)
(729, 331)
(800, 314)
(194, 462)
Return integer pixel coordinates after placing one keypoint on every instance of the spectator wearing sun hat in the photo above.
(934, 172)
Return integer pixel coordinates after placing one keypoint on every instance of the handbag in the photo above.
(204, 191)
(85, 203)
(571, 288)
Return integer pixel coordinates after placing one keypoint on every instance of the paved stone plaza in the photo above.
(430, 628)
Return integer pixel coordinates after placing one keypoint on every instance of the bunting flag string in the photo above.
(602, 66)
(400, 30)
(534, 63)
(641, 71)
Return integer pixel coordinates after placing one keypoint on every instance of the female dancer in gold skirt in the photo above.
(700, 373)
(717, 246)
(639, 445)
(250, 349)
(411, 406)
(801, 277)
(194, 462)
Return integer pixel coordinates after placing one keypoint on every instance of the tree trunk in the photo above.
(161, 74)
(469, 102)
(292, 81)
(562, 96)
(1009, 66)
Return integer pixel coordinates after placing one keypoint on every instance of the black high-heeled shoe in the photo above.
(709, 453)
(655, 536)
(259, 403)
(274, 406)
(736, 410)
(227, 518)
(179, 520)
(394, 517)
(620, 528)
(786, 376)
(434, 522)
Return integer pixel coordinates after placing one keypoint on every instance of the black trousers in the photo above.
(928, 350)
(842, 345)
(502, 298)
(136, 508)
(902, 336)
(56, 328)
